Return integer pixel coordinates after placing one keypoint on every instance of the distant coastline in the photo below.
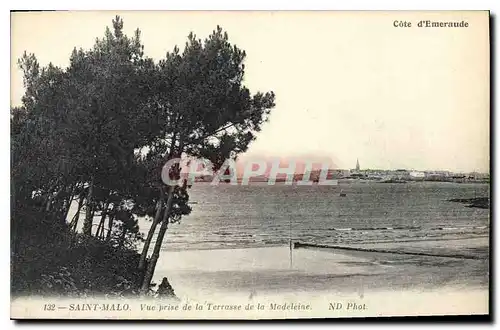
(360, 178)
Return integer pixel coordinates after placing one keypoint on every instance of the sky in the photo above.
(348, 85)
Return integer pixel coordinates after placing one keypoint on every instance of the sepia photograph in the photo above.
(250, 165)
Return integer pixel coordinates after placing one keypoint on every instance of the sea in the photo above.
(257, 215)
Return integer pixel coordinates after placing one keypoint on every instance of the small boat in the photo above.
(342, 194)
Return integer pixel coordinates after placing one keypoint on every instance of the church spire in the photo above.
(357, 164)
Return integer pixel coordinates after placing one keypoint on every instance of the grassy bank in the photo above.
(48, 258)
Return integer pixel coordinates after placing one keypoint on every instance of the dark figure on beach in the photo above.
(165, 290)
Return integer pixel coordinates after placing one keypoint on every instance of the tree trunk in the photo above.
(148, 276)
(121, 241)
(109, 214)
(76, 217)
(104, 212)
(87, 224)
(92, 217)
(110, 226)
(99, 227)
(51, 198)
(46, 203)
(156, 220)
(67, 203)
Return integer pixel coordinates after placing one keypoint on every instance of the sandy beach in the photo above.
(265, 272)
(262, 283)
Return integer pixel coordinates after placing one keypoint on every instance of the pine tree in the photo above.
(210, 114)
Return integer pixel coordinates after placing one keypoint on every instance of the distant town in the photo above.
(376, 175)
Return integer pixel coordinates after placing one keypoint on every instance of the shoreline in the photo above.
(356, 244)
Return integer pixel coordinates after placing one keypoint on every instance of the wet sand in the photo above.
(268, 271)
(261, 283)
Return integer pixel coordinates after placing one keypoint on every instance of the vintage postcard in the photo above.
(249, 164)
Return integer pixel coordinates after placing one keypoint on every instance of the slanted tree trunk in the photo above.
(110, 225)
(159, 207)
(104, 212)
(87, 224)
(148, 276)
(110, 215)
(76, 217)
(67, 203)
(99, 227)
(152, 229)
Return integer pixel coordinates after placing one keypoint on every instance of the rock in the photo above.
(165, 290)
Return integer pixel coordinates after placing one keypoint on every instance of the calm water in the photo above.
(262, 215)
